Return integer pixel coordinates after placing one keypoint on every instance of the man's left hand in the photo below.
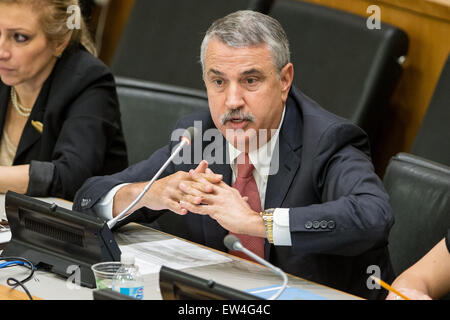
(225, 205)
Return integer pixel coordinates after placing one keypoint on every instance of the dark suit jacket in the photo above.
(82, 134)
(340, 216)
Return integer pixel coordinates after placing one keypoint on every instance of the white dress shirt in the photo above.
(261, 159)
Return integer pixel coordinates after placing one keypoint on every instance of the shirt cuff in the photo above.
(104, 208)
(281, 232)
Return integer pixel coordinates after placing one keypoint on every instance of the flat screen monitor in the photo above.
(178, 285)
(57, 239)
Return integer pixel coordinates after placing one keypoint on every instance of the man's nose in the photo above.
(234, 98)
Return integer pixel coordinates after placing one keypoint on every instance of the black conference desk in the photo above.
(235, 272)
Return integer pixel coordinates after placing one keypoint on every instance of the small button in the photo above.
(323, 224)
(85, 202)
(331, 224)
(316, 224)
(308, 225)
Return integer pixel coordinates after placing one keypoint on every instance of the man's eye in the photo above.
(20, 37)
(251, 80)
(218, 82)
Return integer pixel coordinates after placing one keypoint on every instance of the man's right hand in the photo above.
(164, 193)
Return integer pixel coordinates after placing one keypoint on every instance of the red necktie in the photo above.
(246, 184)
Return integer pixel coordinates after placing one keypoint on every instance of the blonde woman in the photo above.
(59, 114)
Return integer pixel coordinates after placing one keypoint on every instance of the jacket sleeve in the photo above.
(95, 188)
(354, 214)
(90, 123)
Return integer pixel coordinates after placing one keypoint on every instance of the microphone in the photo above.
(233, 243)
(186, 139)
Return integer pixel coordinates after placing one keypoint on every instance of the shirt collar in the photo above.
(261, 157)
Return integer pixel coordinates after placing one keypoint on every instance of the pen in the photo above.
(388, 287)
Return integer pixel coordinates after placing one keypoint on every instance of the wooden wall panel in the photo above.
(118, 13)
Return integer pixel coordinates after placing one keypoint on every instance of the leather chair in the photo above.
(346, 67)
(149, 113)
(419, 191)
(433, 138)
(161, 41)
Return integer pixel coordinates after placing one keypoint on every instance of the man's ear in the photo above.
(286, 78)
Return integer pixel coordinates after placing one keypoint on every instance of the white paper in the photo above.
(5, 236)
(173, 253)
(2, 207)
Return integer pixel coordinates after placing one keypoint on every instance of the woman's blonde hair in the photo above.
(54, 17)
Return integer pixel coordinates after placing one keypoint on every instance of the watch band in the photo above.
(267, 216)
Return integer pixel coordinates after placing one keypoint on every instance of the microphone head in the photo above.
(231, 241)
(189, 135)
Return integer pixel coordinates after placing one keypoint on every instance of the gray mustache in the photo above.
(237, 114)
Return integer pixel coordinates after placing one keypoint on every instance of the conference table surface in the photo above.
(233, 272)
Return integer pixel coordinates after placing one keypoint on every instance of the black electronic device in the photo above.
(178, 285)
(62, 241)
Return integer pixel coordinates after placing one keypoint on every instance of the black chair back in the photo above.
(419, 192)
(150, 111)
(161, 41)
(433, 138)
(342, 64)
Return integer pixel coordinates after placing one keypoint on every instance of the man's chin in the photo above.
(244, 141)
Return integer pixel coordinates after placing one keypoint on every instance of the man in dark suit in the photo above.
(292, 180)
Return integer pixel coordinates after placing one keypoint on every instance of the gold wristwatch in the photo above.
(267, 216)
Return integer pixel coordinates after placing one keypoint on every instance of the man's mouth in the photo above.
(238, 123)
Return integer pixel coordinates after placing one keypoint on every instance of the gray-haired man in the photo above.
(322, 215)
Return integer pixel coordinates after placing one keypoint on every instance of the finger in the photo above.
(213, 177)
(199, 209)
(245, 199)
(204, 188)
(201, 167)
(207, 178)
(175, 207)
(175, 194)
(202, 184)
(192, 199)
(195, 188)
(203, 170)
(190, 189)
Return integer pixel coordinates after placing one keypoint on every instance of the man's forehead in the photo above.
(244, 72)
(221, 58)
(215, 46)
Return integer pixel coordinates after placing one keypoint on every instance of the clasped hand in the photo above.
(203, 192)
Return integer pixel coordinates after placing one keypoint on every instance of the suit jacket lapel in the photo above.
(286, 161)
(30, 134)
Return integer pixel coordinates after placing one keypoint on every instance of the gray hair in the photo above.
(247, 28)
